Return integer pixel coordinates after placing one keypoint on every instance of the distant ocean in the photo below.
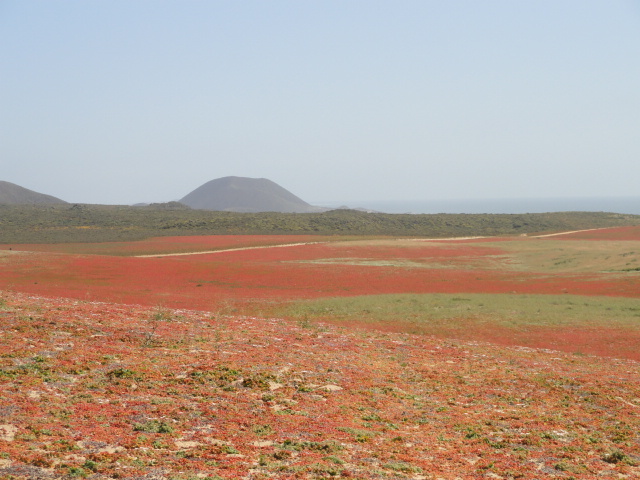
(629, 205)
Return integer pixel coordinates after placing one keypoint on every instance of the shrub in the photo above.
(153, 426)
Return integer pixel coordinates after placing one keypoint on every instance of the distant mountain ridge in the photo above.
(12, 194)
(242, 194)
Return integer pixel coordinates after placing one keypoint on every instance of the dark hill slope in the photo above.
(241, 194)
(12, 194)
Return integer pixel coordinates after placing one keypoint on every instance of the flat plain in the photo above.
(311, 356)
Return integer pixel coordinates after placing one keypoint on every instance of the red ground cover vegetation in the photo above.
(106, 391)
(252, 281)
(281, 274)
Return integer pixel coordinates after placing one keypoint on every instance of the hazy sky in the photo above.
(143, 101)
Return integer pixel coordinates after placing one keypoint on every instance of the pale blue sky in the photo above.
(337, 101)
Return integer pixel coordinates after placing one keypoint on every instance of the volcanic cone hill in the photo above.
(241, 194)
(12, 194)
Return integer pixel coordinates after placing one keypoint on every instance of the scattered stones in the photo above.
(390, 408)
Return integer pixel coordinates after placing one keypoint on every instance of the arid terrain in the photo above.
(330, 357)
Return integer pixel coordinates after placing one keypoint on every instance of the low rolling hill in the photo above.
(250, 195)
(12, 194)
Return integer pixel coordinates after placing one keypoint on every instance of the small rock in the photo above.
(237, 383)
(100, 448)
(332, 388)
(266, 443)
(187, 444)
(8, 432)
(216, 442)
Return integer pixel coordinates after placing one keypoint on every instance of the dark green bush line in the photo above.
(99, 223)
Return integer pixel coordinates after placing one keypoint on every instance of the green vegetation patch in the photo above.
(221, 374)
(435, 312)
(325, 447)
(575, 256)
(153, 426)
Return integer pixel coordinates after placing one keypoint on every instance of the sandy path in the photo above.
(157, 255)
(448, 239)
(568, 233)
